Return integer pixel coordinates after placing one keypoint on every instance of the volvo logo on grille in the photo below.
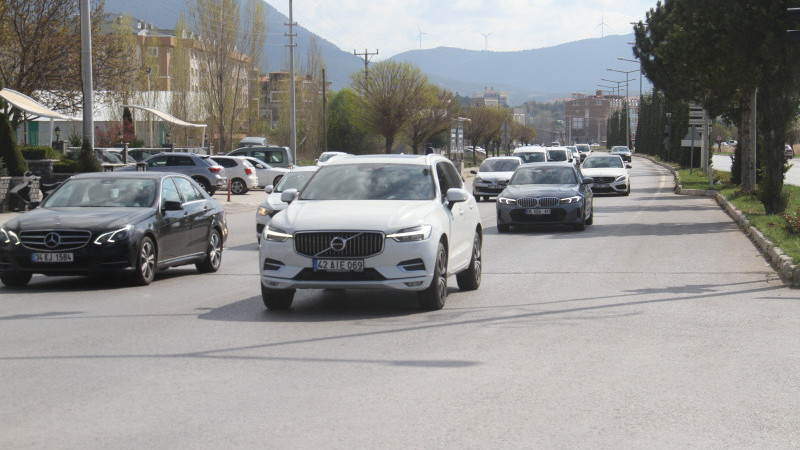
(338, 243)
(52, 240)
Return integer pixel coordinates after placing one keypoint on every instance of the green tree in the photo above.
(484, 122)
(343, 135)
(9, 151)
(729, 55)
(438, 116)
(388, 98)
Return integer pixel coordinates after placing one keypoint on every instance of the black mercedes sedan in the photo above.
(546, 194)
(96, 223)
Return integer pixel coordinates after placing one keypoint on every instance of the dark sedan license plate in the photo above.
(339, 265)
(52, 257)
(537, 212)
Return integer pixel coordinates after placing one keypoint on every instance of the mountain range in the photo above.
(538, 74)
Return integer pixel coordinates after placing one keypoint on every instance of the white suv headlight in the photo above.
(114, 236)
(413, 234)
(574, 199)
(506, 201)
(275, 234)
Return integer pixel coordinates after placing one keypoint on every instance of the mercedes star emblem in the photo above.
(52, 240)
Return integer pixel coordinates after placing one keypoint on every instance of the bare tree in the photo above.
(389, 97)
(228, 51)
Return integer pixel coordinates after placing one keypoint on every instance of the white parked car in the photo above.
(295, 179)
(241, 173)
(492, 176)
(266, 174)
(327, 156)
(610, 173)
(400, 222)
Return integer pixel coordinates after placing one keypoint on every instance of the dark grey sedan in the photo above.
(546, 194)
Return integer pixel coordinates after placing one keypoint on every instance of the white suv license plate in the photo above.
(537, 212)
(339, 265)
(52, 257)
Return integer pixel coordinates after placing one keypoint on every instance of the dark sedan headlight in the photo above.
(573, 199)
(506, 201)
(113, 236)
(8, 237)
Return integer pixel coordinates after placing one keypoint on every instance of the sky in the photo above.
(394, 26)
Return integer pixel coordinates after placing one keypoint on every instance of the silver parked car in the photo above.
(381, 221)
(240, 172)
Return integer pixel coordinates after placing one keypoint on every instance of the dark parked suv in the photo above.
(273, 155)
(201, 168)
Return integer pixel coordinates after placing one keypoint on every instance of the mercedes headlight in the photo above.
(506, 201)
(114, 236)
(8, 237)
(273, 234)
(622, 178)
(413, 234)
(574, 199)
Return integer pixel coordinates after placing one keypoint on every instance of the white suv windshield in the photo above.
(371, 182)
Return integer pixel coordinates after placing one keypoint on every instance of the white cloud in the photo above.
(392, 25)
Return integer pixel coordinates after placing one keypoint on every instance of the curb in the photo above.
(783, 264)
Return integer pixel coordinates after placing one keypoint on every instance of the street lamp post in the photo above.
(628, 112)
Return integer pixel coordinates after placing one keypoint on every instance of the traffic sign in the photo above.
(697, 122)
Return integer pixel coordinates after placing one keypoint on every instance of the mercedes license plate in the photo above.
(537, 212)
(339, 265)
(601, 185)
(52, 257)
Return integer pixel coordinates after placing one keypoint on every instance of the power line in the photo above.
(367, 57)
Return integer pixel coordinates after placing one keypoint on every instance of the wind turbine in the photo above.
(420, 36)
(602, 26)
(486, 39)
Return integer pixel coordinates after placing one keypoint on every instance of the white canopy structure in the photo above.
(171, 119)
(34, 108)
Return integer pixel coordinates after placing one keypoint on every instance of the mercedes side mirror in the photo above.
(588, 180)
(289, 195)
(172, 206)
(629, 166)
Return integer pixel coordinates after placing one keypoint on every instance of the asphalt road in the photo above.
(659, 326)
(723, 163)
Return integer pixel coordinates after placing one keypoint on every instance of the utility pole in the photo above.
(324, 112)
(292, 116)
(86, 72)
(367, 57)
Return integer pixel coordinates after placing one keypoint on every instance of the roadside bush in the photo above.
(3, 170)
(65, 166)
(40, 152)
(793, 222)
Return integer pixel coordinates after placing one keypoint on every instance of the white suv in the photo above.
(240, 172)
(383, 221)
